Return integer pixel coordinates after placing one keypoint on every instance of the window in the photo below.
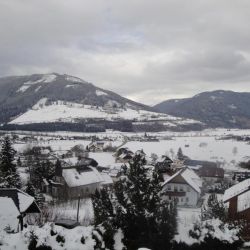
(181, 199)
(175, 188)
(181, 188)
(187, 200)
(169, 187)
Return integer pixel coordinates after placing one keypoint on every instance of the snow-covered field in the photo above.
(202, 145)
(62, 111)
(227, 152)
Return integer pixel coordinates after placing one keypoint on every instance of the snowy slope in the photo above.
(62, 111)
(19, 94)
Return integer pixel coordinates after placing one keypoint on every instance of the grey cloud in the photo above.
(147, 50)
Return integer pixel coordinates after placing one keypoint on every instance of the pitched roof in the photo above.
(8, 213)
(211, 171)
(191, 178)
(76, 178)
(236, 190)
(24, 202)
(189, 162)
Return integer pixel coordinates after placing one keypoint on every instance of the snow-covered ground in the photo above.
(202, 145)
(62, 111)
(185, 220)
(227, 152)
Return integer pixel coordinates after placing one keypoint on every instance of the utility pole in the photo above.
(78, 207)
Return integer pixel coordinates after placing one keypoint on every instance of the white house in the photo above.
(184, 186)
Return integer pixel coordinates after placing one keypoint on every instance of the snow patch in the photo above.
(37, 89)
(100, 93)
(232, 106)
(69, 86)
(73, 79)
(45, 79)
(41, 103)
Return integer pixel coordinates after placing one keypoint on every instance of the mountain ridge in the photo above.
(54, 101)
(219, 108)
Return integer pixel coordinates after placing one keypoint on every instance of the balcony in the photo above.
(175, 193)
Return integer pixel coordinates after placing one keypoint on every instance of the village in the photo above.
(73, 173)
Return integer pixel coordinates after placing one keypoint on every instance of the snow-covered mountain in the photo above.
(54, 98)
(216, 108)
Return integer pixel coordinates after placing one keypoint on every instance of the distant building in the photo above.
(123, 155)
(185, 187)
(163, 165)
(196, 164)
(76, 181)
(96, 146)
(211, 174)
(14, 206)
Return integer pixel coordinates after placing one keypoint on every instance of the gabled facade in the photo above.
(238, 198)
(184, 187)
(14, 205)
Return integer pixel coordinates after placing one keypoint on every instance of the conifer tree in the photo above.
(30, 189)
(180, 154)
(214, 209)
(145, 219)
(104, 216)
(9, 176)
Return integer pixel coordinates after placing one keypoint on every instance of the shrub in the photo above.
(83, 240)
(60, 238)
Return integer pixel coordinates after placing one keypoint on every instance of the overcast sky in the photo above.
(147, 50)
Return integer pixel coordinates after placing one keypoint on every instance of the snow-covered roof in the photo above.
(22, 200)
(107, 180)
(8, 213)
(191, 178)
(25, 201)
(75, 178)
(236, 190)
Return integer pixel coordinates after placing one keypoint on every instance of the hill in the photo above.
(216, 108)
(63, 102)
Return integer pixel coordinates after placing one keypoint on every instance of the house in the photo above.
(123, 155)
(140, 153)
(185, 187)
(77, 151)
(196, 164)
(96, 146)
(74, 181)
(211, 174)
(14, 205)
(238, 198)
(163, 165)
